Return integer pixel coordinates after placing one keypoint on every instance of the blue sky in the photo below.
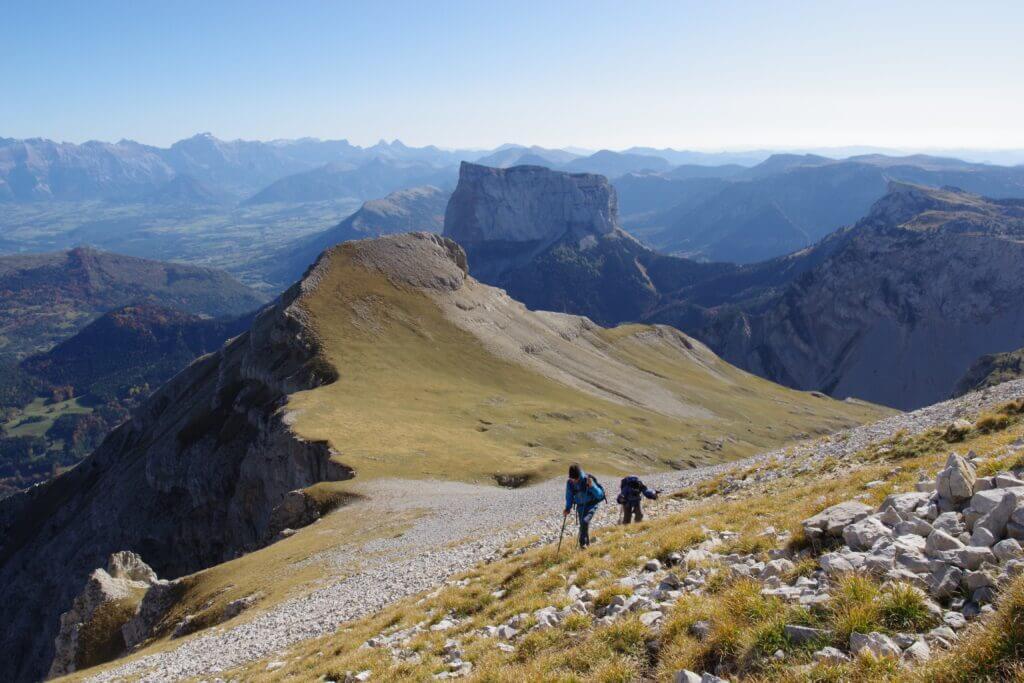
(702, 75)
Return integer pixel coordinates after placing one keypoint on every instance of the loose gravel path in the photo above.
(466, 524)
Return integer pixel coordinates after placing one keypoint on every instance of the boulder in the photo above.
(1007, 550)
(840, 562)
(914, 526)
(777, 568)
(955, 483)
(950, 522)
(982, 537)
(972, 557)
(875, 644)
(650, 618)
(831, 521)
(830, 655)
(863, 534)
(918, 653)
(939, 541)
(1007, 481)
(973, 580)
(904, 503)
(944, 580)
(686, 676)
(801, 635)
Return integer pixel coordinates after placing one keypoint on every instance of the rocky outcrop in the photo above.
(192, 479)
(90, 632)
(990, 370)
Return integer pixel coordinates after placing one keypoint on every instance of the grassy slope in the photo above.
(746, 627)
(419, 397)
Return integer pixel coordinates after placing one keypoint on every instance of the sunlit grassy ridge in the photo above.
(420, 397)
(746, 627)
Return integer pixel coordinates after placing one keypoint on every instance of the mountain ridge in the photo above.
(471, 384)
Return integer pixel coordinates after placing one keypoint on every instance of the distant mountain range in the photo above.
(785, 203)
(738, 207)
(43, 170)
(375, 178)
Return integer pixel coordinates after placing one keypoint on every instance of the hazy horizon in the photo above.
(464, 75)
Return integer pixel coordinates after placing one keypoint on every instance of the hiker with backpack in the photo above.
(583, 491)
(630, 491)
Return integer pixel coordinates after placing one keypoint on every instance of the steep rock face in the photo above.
(191, 480)
(552, 240)
(990, 370)
(528, 204)
(911, 296)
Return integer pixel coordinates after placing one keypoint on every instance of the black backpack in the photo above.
(628, 487)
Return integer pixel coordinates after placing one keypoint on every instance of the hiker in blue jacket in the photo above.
(583, 491)
(630, 491)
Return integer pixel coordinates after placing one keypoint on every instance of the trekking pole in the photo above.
(559, 549)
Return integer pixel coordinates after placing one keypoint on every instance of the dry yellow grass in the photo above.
(418, 397)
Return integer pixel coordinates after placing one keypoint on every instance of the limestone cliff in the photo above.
(528, 204)
(553, 241)
(192, 479)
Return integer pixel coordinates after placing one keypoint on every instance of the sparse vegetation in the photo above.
(745, 624)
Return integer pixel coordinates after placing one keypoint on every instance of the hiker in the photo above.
(630, 491)
(585, 492)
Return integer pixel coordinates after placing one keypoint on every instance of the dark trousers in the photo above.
(585, 517)
(631, 510)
